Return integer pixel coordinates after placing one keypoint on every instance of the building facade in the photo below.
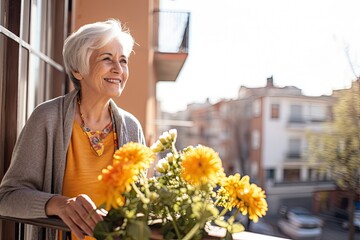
(279, 120)
(263, 133)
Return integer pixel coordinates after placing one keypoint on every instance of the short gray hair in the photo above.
(79, 46)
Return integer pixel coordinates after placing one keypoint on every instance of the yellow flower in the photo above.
(115, 180)
(135, 155)
(201, 165)
(248, 198)
(128, 162)
(157, 147)
(223, 199)
(162, 166)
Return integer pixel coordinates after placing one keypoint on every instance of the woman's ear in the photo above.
(77, 75)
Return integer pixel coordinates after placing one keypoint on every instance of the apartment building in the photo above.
(263, 134)
(278, 120)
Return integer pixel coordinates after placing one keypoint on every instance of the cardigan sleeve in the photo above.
(23, 190)
(133, 128)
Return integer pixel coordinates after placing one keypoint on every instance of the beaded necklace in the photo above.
(96, 137)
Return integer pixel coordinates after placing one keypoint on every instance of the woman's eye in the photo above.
(124, 61)
(107, 59)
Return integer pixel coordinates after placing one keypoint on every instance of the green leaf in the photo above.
(221, 223)
(102, 230)
(237, 227)
(138, 230)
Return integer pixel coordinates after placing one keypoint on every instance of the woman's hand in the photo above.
(78, 213)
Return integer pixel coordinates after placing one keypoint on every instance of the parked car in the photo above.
(262, 227)
(300, 223)
(345, 222)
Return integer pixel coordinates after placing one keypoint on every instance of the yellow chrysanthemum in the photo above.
(116, 179)
(135, 155)
(255, 203)
(201, 165)
(223, 199)
(248, 198)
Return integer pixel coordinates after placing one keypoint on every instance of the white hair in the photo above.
(79, 46)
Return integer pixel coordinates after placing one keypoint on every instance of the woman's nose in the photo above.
(117, 67)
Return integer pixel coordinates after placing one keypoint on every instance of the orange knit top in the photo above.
(83, 166)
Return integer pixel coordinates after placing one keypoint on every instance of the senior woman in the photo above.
(68, 140)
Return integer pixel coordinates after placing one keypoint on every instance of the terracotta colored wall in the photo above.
(255, 154)
(139, 94)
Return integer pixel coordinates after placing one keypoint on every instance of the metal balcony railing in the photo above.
(296, 120)
(55, 223)
(293, 155)
(171, 31)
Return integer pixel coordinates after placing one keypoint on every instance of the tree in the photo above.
(338, 148)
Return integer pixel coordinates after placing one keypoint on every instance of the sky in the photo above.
(310, 44)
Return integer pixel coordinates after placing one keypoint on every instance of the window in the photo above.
(270, 174)
(296, 115)
(255, 143)
(256, 108)
(33, 43)
(318, 175)
(329, 113)
(275, 108)
(294, 150)
(31, 39)
(313, 174)
(318, 113)
(291, 175)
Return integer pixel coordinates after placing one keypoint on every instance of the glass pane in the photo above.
(23, 85)
(296, 113)
(34, 82)
(35, 24)
(55, 82)
(2, 12)
(291, 175)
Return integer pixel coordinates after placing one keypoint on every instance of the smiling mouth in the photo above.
(113, 80)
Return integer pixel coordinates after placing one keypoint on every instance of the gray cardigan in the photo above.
(38, 162)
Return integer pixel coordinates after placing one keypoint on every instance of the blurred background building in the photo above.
(263, 133)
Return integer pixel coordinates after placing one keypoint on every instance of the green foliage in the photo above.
(137, 230)
(167, 203)
(338, 149)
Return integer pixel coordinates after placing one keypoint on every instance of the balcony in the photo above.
(55, 223)
(293, 155)
(171, 43)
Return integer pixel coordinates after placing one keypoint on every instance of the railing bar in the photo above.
(171, 33)
(54, 223)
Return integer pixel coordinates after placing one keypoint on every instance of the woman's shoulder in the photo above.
(127, 116)
(129, 123)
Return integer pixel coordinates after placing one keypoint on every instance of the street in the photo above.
(332, 229)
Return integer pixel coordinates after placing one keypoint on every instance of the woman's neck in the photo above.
(93, 112)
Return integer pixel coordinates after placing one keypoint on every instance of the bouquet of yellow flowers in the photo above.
(180, 200)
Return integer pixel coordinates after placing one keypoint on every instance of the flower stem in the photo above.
(173, 149)
(137, 190)
(143, 199)
(192, 232)
(223, 212)
(174, 224)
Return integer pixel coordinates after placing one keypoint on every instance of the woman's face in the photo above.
(108, 71)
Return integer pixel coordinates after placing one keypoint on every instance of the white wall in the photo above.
(277, 132)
